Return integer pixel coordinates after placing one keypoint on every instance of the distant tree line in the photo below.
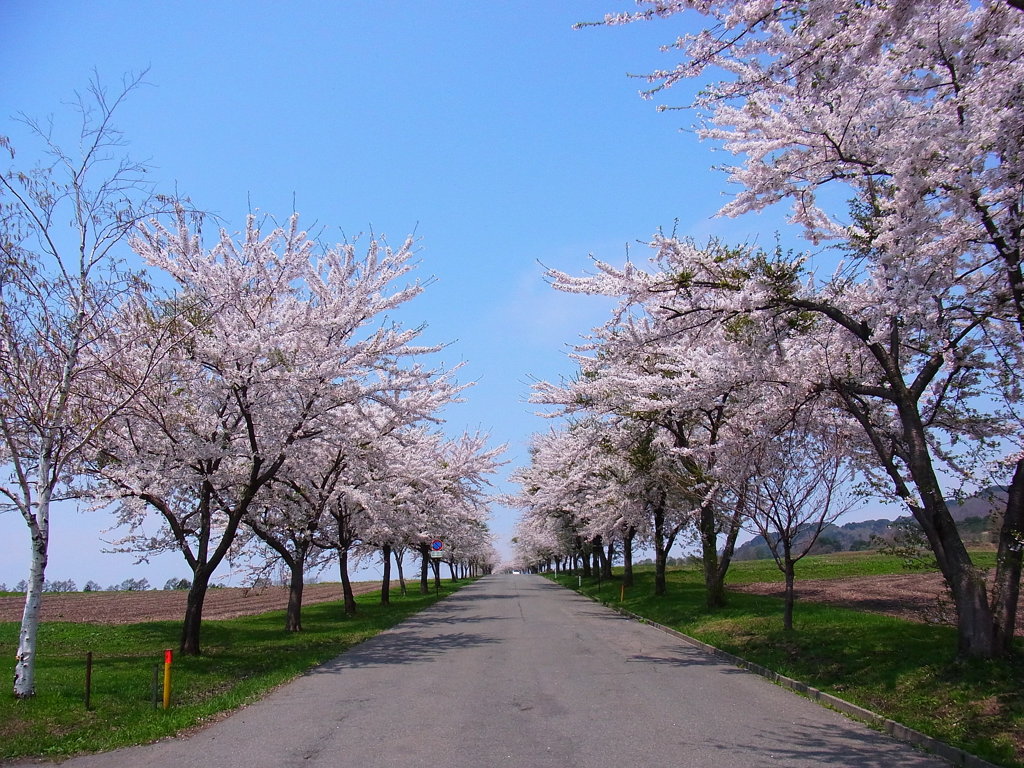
(128, 585)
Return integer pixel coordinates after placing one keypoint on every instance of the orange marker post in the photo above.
(168, 656)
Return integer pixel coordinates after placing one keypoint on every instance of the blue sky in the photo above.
(499, 134)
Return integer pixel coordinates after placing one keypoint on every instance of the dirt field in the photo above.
(159, 605)
(914, 596)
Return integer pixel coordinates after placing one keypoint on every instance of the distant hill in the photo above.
(973, 516)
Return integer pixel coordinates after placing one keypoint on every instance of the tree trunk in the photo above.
(399, 558)
(346, 584)
(424, 569)
(660, 563)
(25, 664)
(437, 574)
(714, 581)
(194, 612)
(1006, 588)
(606, 560)
(451, 570)
(790, 572)
(385, 584)
(204, 562)
(660, 551)
(975, 620)
(627, 557)
(293, 618)
(735, 525)
(296, 562)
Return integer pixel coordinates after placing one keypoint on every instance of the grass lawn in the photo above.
(903, 670)
(243, 659)
(840, 565)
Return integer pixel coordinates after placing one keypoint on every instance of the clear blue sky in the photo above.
(498, 133)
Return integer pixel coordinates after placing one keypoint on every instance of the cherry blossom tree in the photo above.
(366, 480)
(351, 483)
(275, 333)
(694, 382)
(536, 545)
(473, 552)
(403, 479)
(620, 457)
(546, 531)
(927, 393)
(450, 502)
(398, 520)
(555, 496)
(600, 482)
(286, 519)
(798, 482)
(349, 517)
(63, 292)
(914, 109)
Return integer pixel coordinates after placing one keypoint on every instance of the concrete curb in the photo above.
(954, 755)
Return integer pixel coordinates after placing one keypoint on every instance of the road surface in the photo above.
(516, 671)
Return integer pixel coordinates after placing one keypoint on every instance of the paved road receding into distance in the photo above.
(516, 671)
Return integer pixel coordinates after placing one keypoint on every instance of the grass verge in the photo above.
(902, 670)
(243, 659)
(839, 565)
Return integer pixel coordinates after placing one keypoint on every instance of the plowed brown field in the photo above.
(160, 605)
(917, 597)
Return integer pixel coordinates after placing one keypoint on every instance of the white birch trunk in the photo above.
(25, 661)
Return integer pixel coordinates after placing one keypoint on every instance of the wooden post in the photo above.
(88, 680)
(155, 687)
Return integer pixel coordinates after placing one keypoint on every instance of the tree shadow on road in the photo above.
(808, 743)
(463, 596)
(403, 648)
(447, 613)
(592, 611)
(425, 621)
(695, 659)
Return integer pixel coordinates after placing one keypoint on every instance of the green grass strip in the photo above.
(243, 659)
(902, 670)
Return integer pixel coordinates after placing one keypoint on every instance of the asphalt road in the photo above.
(515, 671)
